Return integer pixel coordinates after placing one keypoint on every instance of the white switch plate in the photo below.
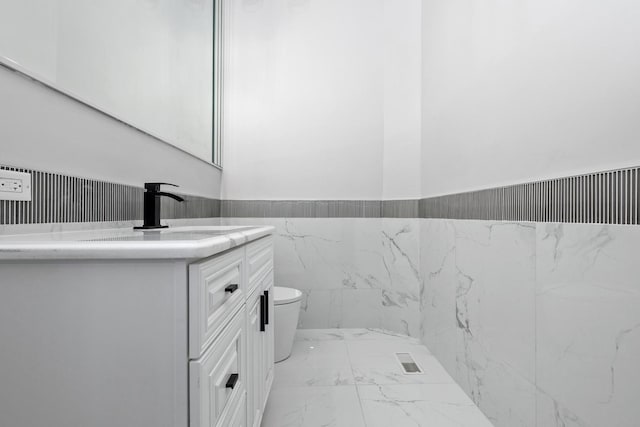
(15, 185)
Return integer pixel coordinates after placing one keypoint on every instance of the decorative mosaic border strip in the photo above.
(611, 197)
(300, 209)
(319, 209)
(60, 198)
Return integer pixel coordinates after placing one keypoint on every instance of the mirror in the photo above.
(148, 63)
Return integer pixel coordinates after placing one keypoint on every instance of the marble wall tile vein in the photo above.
(354, 272)
(478, 312)
(539, 323)
(588, 335)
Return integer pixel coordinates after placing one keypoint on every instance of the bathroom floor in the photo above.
(351, 378)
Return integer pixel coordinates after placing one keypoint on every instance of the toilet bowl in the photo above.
(287, 310)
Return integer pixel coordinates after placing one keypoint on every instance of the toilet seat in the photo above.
(286, 295)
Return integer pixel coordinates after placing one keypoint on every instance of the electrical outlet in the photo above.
(15, 185)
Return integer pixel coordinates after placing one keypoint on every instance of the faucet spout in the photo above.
(173, 196)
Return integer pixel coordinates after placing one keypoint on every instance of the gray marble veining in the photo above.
(587, 361)
(382, 397)
(353, 272)
(537, 322)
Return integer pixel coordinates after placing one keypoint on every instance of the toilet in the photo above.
(287, 310)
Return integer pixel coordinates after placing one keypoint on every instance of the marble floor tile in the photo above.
(411, 405)
(315, 363)
(375, 334)
(375, 362)
(313, 388)
(355, 334)
(319, 335)
(313, 407)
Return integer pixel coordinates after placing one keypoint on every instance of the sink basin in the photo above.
(170, 234)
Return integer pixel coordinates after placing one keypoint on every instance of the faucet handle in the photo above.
(155, 186)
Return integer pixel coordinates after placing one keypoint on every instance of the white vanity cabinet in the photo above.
(140, 342)
(231, 336)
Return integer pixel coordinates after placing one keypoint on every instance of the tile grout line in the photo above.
(535, 327)
(376, 343)
(355, 384)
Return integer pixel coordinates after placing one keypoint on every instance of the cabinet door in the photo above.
(268, 344)
(255, 355)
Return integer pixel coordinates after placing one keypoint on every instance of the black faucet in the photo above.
(152, 205)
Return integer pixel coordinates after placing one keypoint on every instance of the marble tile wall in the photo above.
(588, 325)
(353, 272)
(539, 323)
(478, 312)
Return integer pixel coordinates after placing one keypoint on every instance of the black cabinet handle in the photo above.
(262, 309)
(231, 288)
(231, 382)
(266, 307)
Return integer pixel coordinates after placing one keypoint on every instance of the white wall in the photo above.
(314, 96)
(42, 129)
(402, 99)
(521, 90)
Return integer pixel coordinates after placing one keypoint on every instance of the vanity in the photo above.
(124, 328)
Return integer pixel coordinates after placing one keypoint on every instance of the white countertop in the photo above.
(126, 243)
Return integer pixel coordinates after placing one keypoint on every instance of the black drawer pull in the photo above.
(266, 307)
(231, 382)
(231, 288)
(262, 309)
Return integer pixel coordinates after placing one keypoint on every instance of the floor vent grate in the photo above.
(409, 366)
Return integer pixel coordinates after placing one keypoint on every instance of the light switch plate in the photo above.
(15, 185)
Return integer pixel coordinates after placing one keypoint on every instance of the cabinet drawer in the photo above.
(259, 260)
(215, 394)
(217, 288)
